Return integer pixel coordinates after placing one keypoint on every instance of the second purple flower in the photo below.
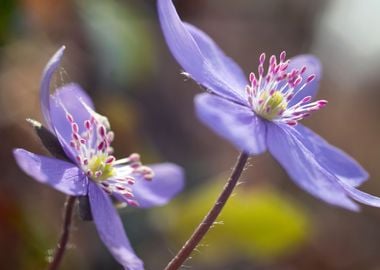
(262, 113)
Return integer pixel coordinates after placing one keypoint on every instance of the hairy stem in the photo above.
(61, 246)
(211, 216)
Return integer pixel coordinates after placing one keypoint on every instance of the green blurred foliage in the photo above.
(7, 10)
(258, 223)
(120, 35)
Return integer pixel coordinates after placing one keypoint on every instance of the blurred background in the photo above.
(116, 51)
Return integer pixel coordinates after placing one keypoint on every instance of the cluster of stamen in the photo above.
(92, 146)
(269, 94)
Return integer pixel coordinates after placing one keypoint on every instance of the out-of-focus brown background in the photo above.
(116, 51)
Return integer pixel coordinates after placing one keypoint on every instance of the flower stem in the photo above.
(61, 246)
(211, 216)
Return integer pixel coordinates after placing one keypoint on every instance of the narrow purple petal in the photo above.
(303, 167)
(237, 124)
(168, 181)
(111, 230)
(67, 92)
(225, 68)
(313, 67)
(49, 70)
(333, 159)
(63, 176)
(69, 99)
(361, 196)
(199, 56)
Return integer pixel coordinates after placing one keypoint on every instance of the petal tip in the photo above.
(178, 172)
(174, 171)
(57, 57)
(168, 182)
(18, 152)
(47, 75)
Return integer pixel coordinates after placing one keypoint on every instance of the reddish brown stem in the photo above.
(211, 216)
(61, 246)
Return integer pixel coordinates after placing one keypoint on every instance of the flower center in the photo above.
(270, 95)
(275, 104)
(92, 146)
(99, 164)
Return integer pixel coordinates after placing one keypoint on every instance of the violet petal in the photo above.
(201, 60)
(71, 99)
(303, 167)
(111, 230)
(333, 159)
(61, 175)
(313, 67)
(167, 182)
(361, 196)
(224, 67)
(237, 124)
(47, 75)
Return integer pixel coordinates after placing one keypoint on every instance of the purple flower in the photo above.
(262, 113)
(86, 138)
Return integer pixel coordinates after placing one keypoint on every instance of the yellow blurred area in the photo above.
(258, 222)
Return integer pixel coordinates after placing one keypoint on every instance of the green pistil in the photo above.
(98, 163)
(272, 106)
